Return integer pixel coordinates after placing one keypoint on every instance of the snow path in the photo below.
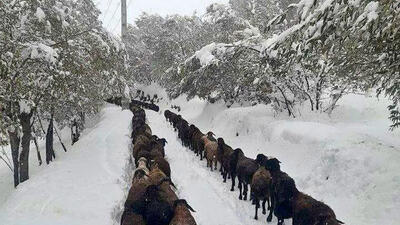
(83, 185)
(203, 189)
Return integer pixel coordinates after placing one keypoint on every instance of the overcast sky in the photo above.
(111, 9)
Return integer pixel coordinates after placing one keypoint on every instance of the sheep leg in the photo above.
(269, 205)
(263, 206)
(240, 189)
(225, 175)
(215, 164)
(233, 182)
(271, 209)
(257, 206)
(245, 189)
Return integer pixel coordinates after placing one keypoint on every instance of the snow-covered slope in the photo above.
(82, 186)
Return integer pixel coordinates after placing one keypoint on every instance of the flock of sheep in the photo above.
(151, 199)
(267, 182)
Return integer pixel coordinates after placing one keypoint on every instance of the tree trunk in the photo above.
(39, 157)
(14, 144)
(25, 119)
(49, 143)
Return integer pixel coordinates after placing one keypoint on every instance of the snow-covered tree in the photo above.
(56, 59)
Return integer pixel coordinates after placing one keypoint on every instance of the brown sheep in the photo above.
(291, 203)
(224, 153)
(308, 211)
(204, 140)
(245, 168)
(261, 189)
(140, 183)
(182, 215)
(163, 165)
(140, 145)
(196, 141)
(157, 177)
(211, 154)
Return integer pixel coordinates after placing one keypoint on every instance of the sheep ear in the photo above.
(172, 183)
(339, 221)
(189, 207)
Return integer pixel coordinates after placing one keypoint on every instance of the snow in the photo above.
(24, 106)
(40, 51)
(81, 187)
(40, 14)
(370, 13)
(205, 55)
(349, 161)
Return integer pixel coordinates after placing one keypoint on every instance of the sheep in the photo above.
(283, 186)
(224, 153)
(196, 140)
(163, 165)
(204, 140)
(291, 203)
(261, 189)
(174, 120)
(182, 215)
(211, 154)
(138, 148)
(159, 145)
(308, 211)
(261, 159)
(183, 129)
(191, 133)
(140, 183)
(167, 114)
(245, 168)
(158, 177)
(154, 210)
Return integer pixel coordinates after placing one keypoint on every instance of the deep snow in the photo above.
(349, 161)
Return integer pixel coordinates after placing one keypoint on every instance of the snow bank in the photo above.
(82, 186)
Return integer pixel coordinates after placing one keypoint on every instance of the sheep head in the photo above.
(162, 141)
(273, 165)
(261, 159)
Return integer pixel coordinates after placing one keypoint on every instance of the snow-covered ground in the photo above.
(349, 160)
(81, 187)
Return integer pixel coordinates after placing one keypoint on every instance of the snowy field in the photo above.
(350, 161)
